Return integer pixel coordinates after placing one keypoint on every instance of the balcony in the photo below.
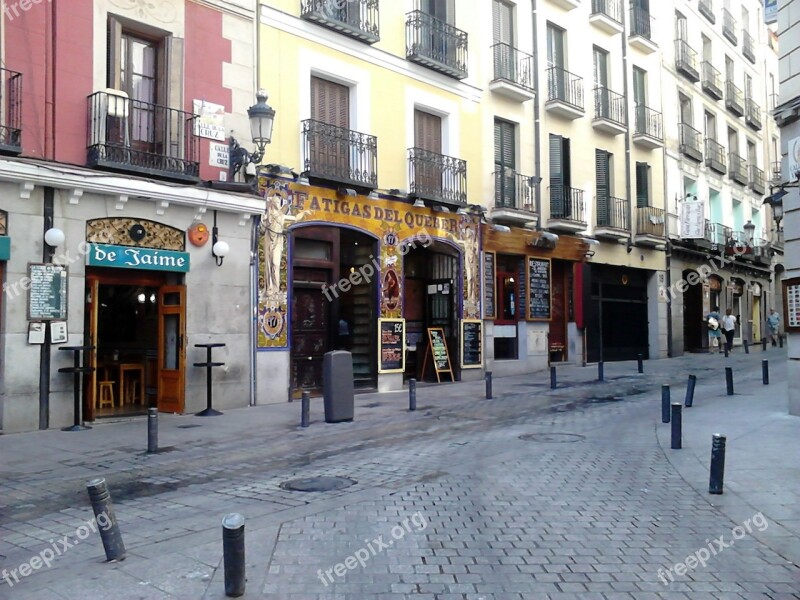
(439, 178)
(729, 26)
(514, 198)
(776, 175)
(762, 251)
(752, 114)
(748, 47)
(648, 131)
(435, 44)
(650, 226)
(777, 240)
(607, 15)
(567, 4)
(609, 112)
(612, 218)
(737, 169)
(340, 155)
(641, 35)
(673, 226)
(690, 145)
(513, 73)
(142, 138)
(734, 99)
(686, 60)
(711, 80)
(10, 112)
(359, 19)
(715, 156)
(717, 235)
(567, 210)
(757, 183)
(564, 93)
(707, 10)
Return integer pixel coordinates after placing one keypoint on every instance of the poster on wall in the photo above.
(693, 220)
(471, 344)
(791, 290)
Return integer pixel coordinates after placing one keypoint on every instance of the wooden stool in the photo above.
(132, 391)
(105, 394)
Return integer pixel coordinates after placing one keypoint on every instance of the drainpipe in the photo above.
(253, 330)
(536, 119)
(668, 249)
(628, 133)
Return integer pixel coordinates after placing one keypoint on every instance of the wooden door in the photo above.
(90, 334)
(171, 348)
(329, 147)
(562, 272)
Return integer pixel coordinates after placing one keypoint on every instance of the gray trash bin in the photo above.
(337, 386)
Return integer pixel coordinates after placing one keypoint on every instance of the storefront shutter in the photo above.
(602, 186)
(556, 176)
(642, 184)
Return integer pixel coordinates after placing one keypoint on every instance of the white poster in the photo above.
(219, 155)
(210, 122)
(794, 158)
(693, 220)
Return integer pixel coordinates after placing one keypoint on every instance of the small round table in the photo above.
(209, 411)
(77, 370)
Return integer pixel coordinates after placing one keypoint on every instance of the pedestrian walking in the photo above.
(729, 328)
(714, 332)
(773, 326)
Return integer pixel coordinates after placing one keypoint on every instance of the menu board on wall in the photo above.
(471, 344)
(792, 304)
(391, 339)
(47, 298)
(489, 278)
(539, 302)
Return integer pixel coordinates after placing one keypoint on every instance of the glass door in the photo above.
(171, 348)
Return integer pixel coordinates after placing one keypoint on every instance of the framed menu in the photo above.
(539, 293)
(471, 344)
(47, 297)
(791, 304)
(391, 345)
(489, 278)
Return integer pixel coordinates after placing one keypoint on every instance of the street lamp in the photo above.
(262, 120)
(775, 200)
(749, 231)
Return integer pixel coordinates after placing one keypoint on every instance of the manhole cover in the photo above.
(552, 438)
(187, 426)
(318, 484)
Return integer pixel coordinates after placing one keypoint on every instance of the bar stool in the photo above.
(132, 391)
(105, 394)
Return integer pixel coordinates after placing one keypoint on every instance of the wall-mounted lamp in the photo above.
(775, 200)
(220, 249)
(589, 253)
(343, 191)
(501, 228)
(419, 203)
(749, 232)
(54, 237)
(374, 195)
(262, 120)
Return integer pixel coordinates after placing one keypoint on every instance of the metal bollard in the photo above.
(305, 410)
(109, 529)
(553, 378)
(746, 347)
(412, 394)
(600, 371)
(726, 349)
(689, 401)
(729, 380)
(765, 371)
(641, 363)
(233, 554)
(152, 430)
(780, 341)
(665, 404)
(717, 474)
(764, 344)
(488, 385)
(677, 424)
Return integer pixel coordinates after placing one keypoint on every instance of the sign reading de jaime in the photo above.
(148, 259)
(47, 298)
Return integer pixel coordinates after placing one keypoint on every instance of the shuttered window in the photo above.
(427, 131)
(602, 161)
(505, 163)
(557, 179)
(330, 102)
(503, 22)
(642, 185)
(444, 10)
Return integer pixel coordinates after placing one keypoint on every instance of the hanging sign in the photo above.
(148, 259)
(693, 220)
(391, 345)
(471, 344)
(47, 297)
(539, 303)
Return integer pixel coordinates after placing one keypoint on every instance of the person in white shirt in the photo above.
(728, 328)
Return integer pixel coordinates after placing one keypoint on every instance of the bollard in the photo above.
(717, 464)
(689, 401)
(488, 385)
(109, 529)
(726, 350)
(233, 554)
(641, 363)
(729, 380)
(665, 404)
(412, 394)
(764, 344)
(305, 410)
(746, 347)
(152, 430)
(677, 423)
(765, 371)
(600, 371)
(780, 341)
(553, 378)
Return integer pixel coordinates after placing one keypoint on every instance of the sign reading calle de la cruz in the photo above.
(148, 259)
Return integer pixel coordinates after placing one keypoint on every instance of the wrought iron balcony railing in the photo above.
(776, 174)
(612, 212)
(757, 183)
(734, 98)
(707, 10)
(641, 22)
(341, 155)
(565, 87)
(437, 177)
(609, 105)
(690, 142)
(737, 168)
(513, 65)
(436, 44)
(650, 221)
(717, 233)
(610, 8)
(752, 114)
(10, 111)
(715, 156)
(513, 190)
(139, 137)
(566, 204)
(359, 19)
(748, 47)
(711, 80)
(648, 123)
(729, 26)
(686, 60)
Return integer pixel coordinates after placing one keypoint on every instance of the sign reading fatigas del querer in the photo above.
(148, 259)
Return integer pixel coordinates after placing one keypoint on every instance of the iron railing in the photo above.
(711, 80)
(131, 135)
(737, 168)
(648, 123)
(717, 233)
(511, 64)
(686, 60)
(752, 113)
(513, 190)
(338, 154)
(612, 212)
(565, 87)
(437, 177)
(776, 172)
(359, 19)
(566, 204)
(641, 23)
(734, 98)
(757, 183)
(729, 26)
(610, 8)
(715, 156)
(707, 10)
(610, 105)
(650, 221)
(690, 140)
(436, 44)
(748, 47)
(10, 111)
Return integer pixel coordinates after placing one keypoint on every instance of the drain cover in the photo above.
(552, 438)
(318, 484)
(187, 426)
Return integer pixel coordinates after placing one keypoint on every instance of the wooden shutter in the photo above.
(503, 22)
(427, 131)
(602, 185)
(642, 185)
(330, 102)
(556, 176)
(505, 161)
(114, 49)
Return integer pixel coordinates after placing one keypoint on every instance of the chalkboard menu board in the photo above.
(539, 289)
(523, 286)
(471, 344)
(438, 351)
(489, 278)
(47, 299)
(391, 339)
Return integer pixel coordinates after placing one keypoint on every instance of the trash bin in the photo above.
(337, 386)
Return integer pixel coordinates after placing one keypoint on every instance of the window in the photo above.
(748, 86)
(729, 69)
(503, 22)
(685, 104)
(711, 126)
(776, 155)
(733, 140)
(560, 175)
(427, 131)
(752, 157)
(639, 86)
(555, 47)
(330, 102)
(681, 27)
(444, 10)
(642, 184)
(603, 183)
(745, 20)
(600, 67)
(330, 105)
(505, 163)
